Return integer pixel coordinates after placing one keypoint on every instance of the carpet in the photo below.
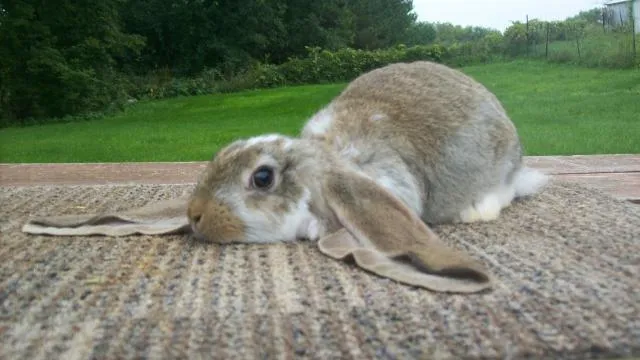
(567, 286)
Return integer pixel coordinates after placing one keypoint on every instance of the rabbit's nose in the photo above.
(195, 222)
(194, 219)
(195, 215)
(214, 221)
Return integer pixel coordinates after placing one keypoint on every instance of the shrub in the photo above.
(324, 66)
(53, 65)
(318, 66)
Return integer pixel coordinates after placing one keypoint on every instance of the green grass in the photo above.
(558, 110)
(179, 129)
(566, 110)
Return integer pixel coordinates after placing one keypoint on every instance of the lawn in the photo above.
(558, 110)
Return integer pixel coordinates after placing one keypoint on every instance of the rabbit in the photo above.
(419, 137)
(402, 148)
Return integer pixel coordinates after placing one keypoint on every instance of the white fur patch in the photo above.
(263, 226)
(469, 215)
(489, 206)
(377, 117)
(312, 229)
(349, 152)
(319, 123)
(529, 181)
(300, 222)
(267, 139)
(487, 209)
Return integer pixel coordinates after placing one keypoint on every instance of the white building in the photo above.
(618, 12)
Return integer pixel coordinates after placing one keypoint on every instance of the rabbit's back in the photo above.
(414, 107)
(434, 136)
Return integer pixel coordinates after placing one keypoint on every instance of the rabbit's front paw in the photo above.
(311, 229)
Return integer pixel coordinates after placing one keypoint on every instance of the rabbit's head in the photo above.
(258, 190)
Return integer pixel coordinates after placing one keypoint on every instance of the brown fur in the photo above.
(214, 220)
(418, 99)
(211, 218)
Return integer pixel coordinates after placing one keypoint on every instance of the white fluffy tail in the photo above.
(529, 181)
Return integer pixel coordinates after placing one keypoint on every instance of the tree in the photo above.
(328, 24)
(448, 34)
(188, 36)
(516, 39)
(59, 58)
(381, 23)
(592, 16)
(420, 33)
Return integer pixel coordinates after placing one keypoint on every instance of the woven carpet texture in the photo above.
(567, 264)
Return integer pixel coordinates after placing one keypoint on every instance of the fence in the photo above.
(611, 42)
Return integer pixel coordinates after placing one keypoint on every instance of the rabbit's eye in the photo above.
(263, 177)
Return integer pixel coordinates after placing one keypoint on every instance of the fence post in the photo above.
(546, 46)
(527, 35)
(633, 32)
(577, 33)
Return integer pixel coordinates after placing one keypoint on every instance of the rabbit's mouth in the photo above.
(197, 235)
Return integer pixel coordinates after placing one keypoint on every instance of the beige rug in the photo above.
(567, 264)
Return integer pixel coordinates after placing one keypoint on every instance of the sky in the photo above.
(498, 14)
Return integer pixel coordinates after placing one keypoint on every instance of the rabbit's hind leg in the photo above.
(489, 206)
(526, 182)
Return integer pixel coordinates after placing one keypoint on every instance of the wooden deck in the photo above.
(618, 175)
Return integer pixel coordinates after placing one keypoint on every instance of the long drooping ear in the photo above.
(387, 238)
(157, 218)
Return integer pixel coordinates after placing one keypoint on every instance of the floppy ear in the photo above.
(159, 217)
(387, 238)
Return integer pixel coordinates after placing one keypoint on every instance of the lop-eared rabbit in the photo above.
(401, 148)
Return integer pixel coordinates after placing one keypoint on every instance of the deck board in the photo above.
(618, 175)
(585, 164)
(621, 185)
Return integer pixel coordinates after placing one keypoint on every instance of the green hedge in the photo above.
(317, 67)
